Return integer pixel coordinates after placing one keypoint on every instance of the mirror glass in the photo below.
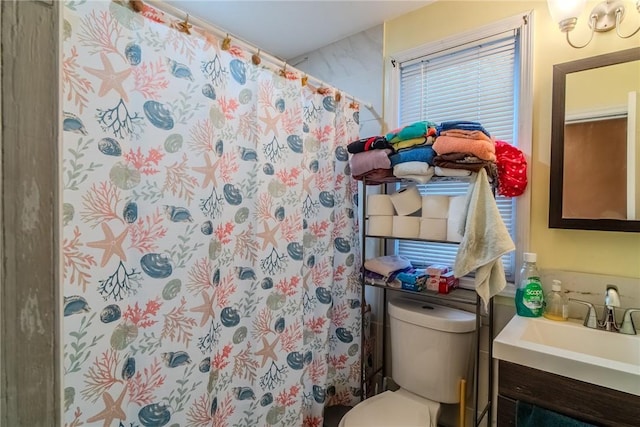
(595, 143)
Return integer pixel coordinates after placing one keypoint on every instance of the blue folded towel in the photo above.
(462, 125)
(528, 415)
(415, 154)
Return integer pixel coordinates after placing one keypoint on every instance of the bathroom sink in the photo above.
(608, 359)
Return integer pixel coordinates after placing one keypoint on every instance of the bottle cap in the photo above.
(529, 257)
(557, 286)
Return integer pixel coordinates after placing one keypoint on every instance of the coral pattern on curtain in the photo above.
(210, 244)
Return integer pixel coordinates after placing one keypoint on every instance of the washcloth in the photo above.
(481, 148)
(485, 240)
(366, 161)
(413, 130)
(409, 143)
(463, 125)
(386, 265)
(366, 144)
(416, 154)
(533, 416)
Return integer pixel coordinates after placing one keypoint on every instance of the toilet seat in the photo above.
(394, 409)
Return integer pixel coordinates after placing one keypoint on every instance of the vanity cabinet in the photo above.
(576, 399)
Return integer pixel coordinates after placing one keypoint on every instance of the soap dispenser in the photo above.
(556, 303)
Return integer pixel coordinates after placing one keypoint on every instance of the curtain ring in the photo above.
(226, 43)
(136, 5)
(185, 26)
(255, 58)
(338, 96)
(304, 80)
(283, 72)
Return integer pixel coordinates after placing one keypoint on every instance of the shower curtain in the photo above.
(210, 244)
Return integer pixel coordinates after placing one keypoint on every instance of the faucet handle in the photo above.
(591, 319)
(627, 326)
(611, 296)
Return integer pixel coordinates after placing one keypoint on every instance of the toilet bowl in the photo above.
(430, 348)
(392, 408)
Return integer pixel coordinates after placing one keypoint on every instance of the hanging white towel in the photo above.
(485, 239)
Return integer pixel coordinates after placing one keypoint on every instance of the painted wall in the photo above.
(573, 250)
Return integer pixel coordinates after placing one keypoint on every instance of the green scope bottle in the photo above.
(529, 293)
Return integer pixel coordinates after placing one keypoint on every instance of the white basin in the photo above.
(608, 359)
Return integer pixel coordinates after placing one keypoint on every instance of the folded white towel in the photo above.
(485, 239)
(385, 265)
(413, 168)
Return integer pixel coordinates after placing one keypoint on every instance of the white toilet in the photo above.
(430, 347)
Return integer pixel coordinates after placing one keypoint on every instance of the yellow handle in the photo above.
(463, 393)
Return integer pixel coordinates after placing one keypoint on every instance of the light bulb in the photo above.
(565, 12)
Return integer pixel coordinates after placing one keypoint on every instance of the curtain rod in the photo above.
(177, 13)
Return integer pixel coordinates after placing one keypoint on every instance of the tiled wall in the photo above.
(353, 64)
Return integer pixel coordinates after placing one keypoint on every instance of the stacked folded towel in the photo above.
(463, 147)
(423, 149)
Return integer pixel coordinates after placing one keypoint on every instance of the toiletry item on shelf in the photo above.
(437, 269)
(379, 204)
(380, 225)
(443, 284)
(556, 304)
(407, 227)
(529, 294)
(455, 216)
(435, 206)
(407, 201)
(433, 228)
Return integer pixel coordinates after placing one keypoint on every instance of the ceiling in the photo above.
(287, 29)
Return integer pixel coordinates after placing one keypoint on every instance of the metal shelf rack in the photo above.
(460, 295)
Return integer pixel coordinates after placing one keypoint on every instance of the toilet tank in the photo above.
(431, 346)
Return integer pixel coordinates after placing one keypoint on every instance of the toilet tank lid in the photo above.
(432, 316)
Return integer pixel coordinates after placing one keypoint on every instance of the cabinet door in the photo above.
(576, 399)
(506, 412)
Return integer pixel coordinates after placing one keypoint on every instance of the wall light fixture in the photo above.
(605, 16)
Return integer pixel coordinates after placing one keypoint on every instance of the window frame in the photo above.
(524, 24)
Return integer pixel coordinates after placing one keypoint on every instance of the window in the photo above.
(480, 76)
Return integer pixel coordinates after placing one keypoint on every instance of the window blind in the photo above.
(477, 82)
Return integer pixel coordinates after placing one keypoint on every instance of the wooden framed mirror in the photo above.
(595, 143)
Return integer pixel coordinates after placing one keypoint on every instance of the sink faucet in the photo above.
(591, 319)
(627, 326)
(611, 301)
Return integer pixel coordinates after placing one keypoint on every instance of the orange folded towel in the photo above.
(470, 134)
(480, 148)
